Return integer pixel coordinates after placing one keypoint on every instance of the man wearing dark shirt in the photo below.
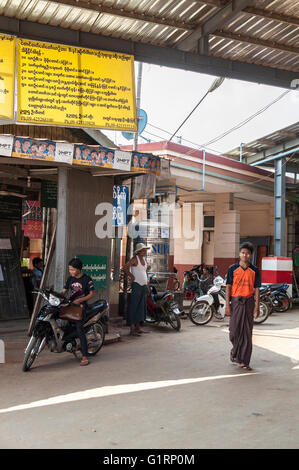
(82, 289)
(242, 289)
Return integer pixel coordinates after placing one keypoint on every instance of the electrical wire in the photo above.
(242, 123)
(248, 183)
(185, 140)
(229, 131)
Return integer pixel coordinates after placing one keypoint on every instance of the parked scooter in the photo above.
(60, 335)
(213, 304)
(161, 307)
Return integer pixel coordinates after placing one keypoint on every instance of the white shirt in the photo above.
(139, 272)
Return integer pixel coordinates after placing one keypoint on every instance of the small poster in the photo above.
(32, 220)
(93, 156)
(64, 152)
(49, 194)
(25, 147)
(145, 162)
(122, 160)
(6, 144)
(96, 268)
(120, 205)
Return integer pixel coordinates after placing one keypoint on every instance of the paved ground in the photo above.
(162, 390)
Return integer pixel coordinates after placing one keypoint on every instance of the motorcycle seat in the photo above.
(98, 305)
(276, 286)
(160, 295)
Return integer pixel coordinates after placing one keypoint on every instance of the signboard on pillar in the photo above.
(96, 268)
(49, 194)
(120, 205)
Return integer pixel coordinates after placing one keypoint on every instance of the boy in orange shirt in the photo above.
(242, 289)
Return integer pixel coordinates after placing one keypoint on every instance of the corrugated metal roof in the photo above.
(265, 32)
(287, 134)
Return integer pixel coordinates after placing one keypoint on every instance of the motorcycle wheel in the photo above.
(283, 303)
(95, 336)
(264, 313)
(174, 321)
(201, 313)
(269, 304)
(31, 352)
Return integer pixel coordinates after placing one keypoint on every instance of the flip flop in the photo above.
(142, 331)
(134, 333)
(84, 362)
(245, 367)
(234, 361)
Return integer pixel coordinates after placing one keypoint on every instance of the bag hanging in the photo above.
(72, 312)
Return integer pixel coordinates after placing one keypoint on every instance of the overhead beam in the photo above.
(217, 21)
(272, 15)
(269, 152)
(288, 133)
(248, 149)
(256, 41)
(267, 142)
(165, 56)
(14, 172)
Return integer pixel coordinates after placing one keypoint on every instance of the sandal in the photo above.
(142, 331)
(84, 362)
(243, 366)
(134, 333)
(232, 359)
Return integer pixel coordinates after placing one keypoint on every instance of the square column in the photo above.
(227, 232)
(279, 210)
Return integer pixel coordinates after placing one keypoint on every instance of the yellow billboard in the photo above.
(7, 76)
(70, 86)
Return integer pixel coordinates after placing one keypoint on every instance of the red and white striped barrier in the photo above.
(276, 270)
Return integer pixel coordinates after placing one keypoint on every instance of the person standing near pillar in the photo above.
(242, 290)
(136, 270)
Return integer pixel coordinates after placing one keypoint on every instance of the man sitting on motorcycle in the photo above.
(82, 289)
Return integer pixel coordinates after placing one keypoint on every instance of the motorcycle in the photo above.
(161, 307)
(60, 335)
(204, 307)
(198, 269)
(276, 296)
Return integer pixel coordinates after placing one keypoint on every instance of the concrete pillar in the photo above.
(171, 201)
(279, 211)
(61, 231)
(79, 194)
(188, 236)
(227, 232)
